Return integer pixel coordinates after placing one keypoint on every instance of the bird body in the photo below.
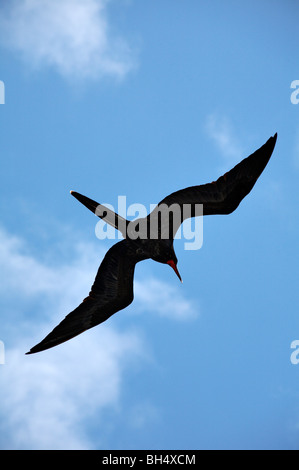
(112, 289)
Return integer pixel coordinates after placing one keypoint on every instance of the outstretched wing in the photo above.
(112, 291)
(219, 197)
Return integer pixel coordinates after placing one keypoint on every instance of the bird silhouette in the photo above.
(112, 289)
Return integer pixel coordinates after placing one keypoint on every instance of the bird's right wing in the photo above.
(112, 291)
(219, 197)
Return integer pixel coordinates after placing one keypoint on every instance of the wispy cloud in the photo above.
(69, 282)
(162, 298)
(72, 36)
(220, 129)
(46, 399)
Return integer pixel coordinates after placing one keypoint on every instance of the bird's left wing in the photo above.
(112, 291)
(219, 197)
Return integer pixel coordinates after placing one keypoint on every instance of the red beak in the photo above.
(173, 265)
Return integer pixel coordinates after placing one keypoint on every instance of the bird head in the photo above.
(173, 265)
(163, 253)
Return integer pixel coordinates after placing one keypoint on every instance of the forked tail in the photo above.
(107, 215)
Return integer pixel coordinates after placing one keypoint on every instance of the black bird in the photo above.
(113, 286)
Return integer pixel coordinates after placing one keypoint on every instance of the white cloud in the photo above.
(60, 283)
(157, 296)
(70, 282)
(72, 36)
(220, 130)
(46, 399)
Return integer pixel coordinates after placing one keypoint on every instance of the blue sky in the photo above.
(140, 99)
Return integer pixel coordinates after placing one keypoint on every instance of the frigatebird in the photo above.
(113, 286)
